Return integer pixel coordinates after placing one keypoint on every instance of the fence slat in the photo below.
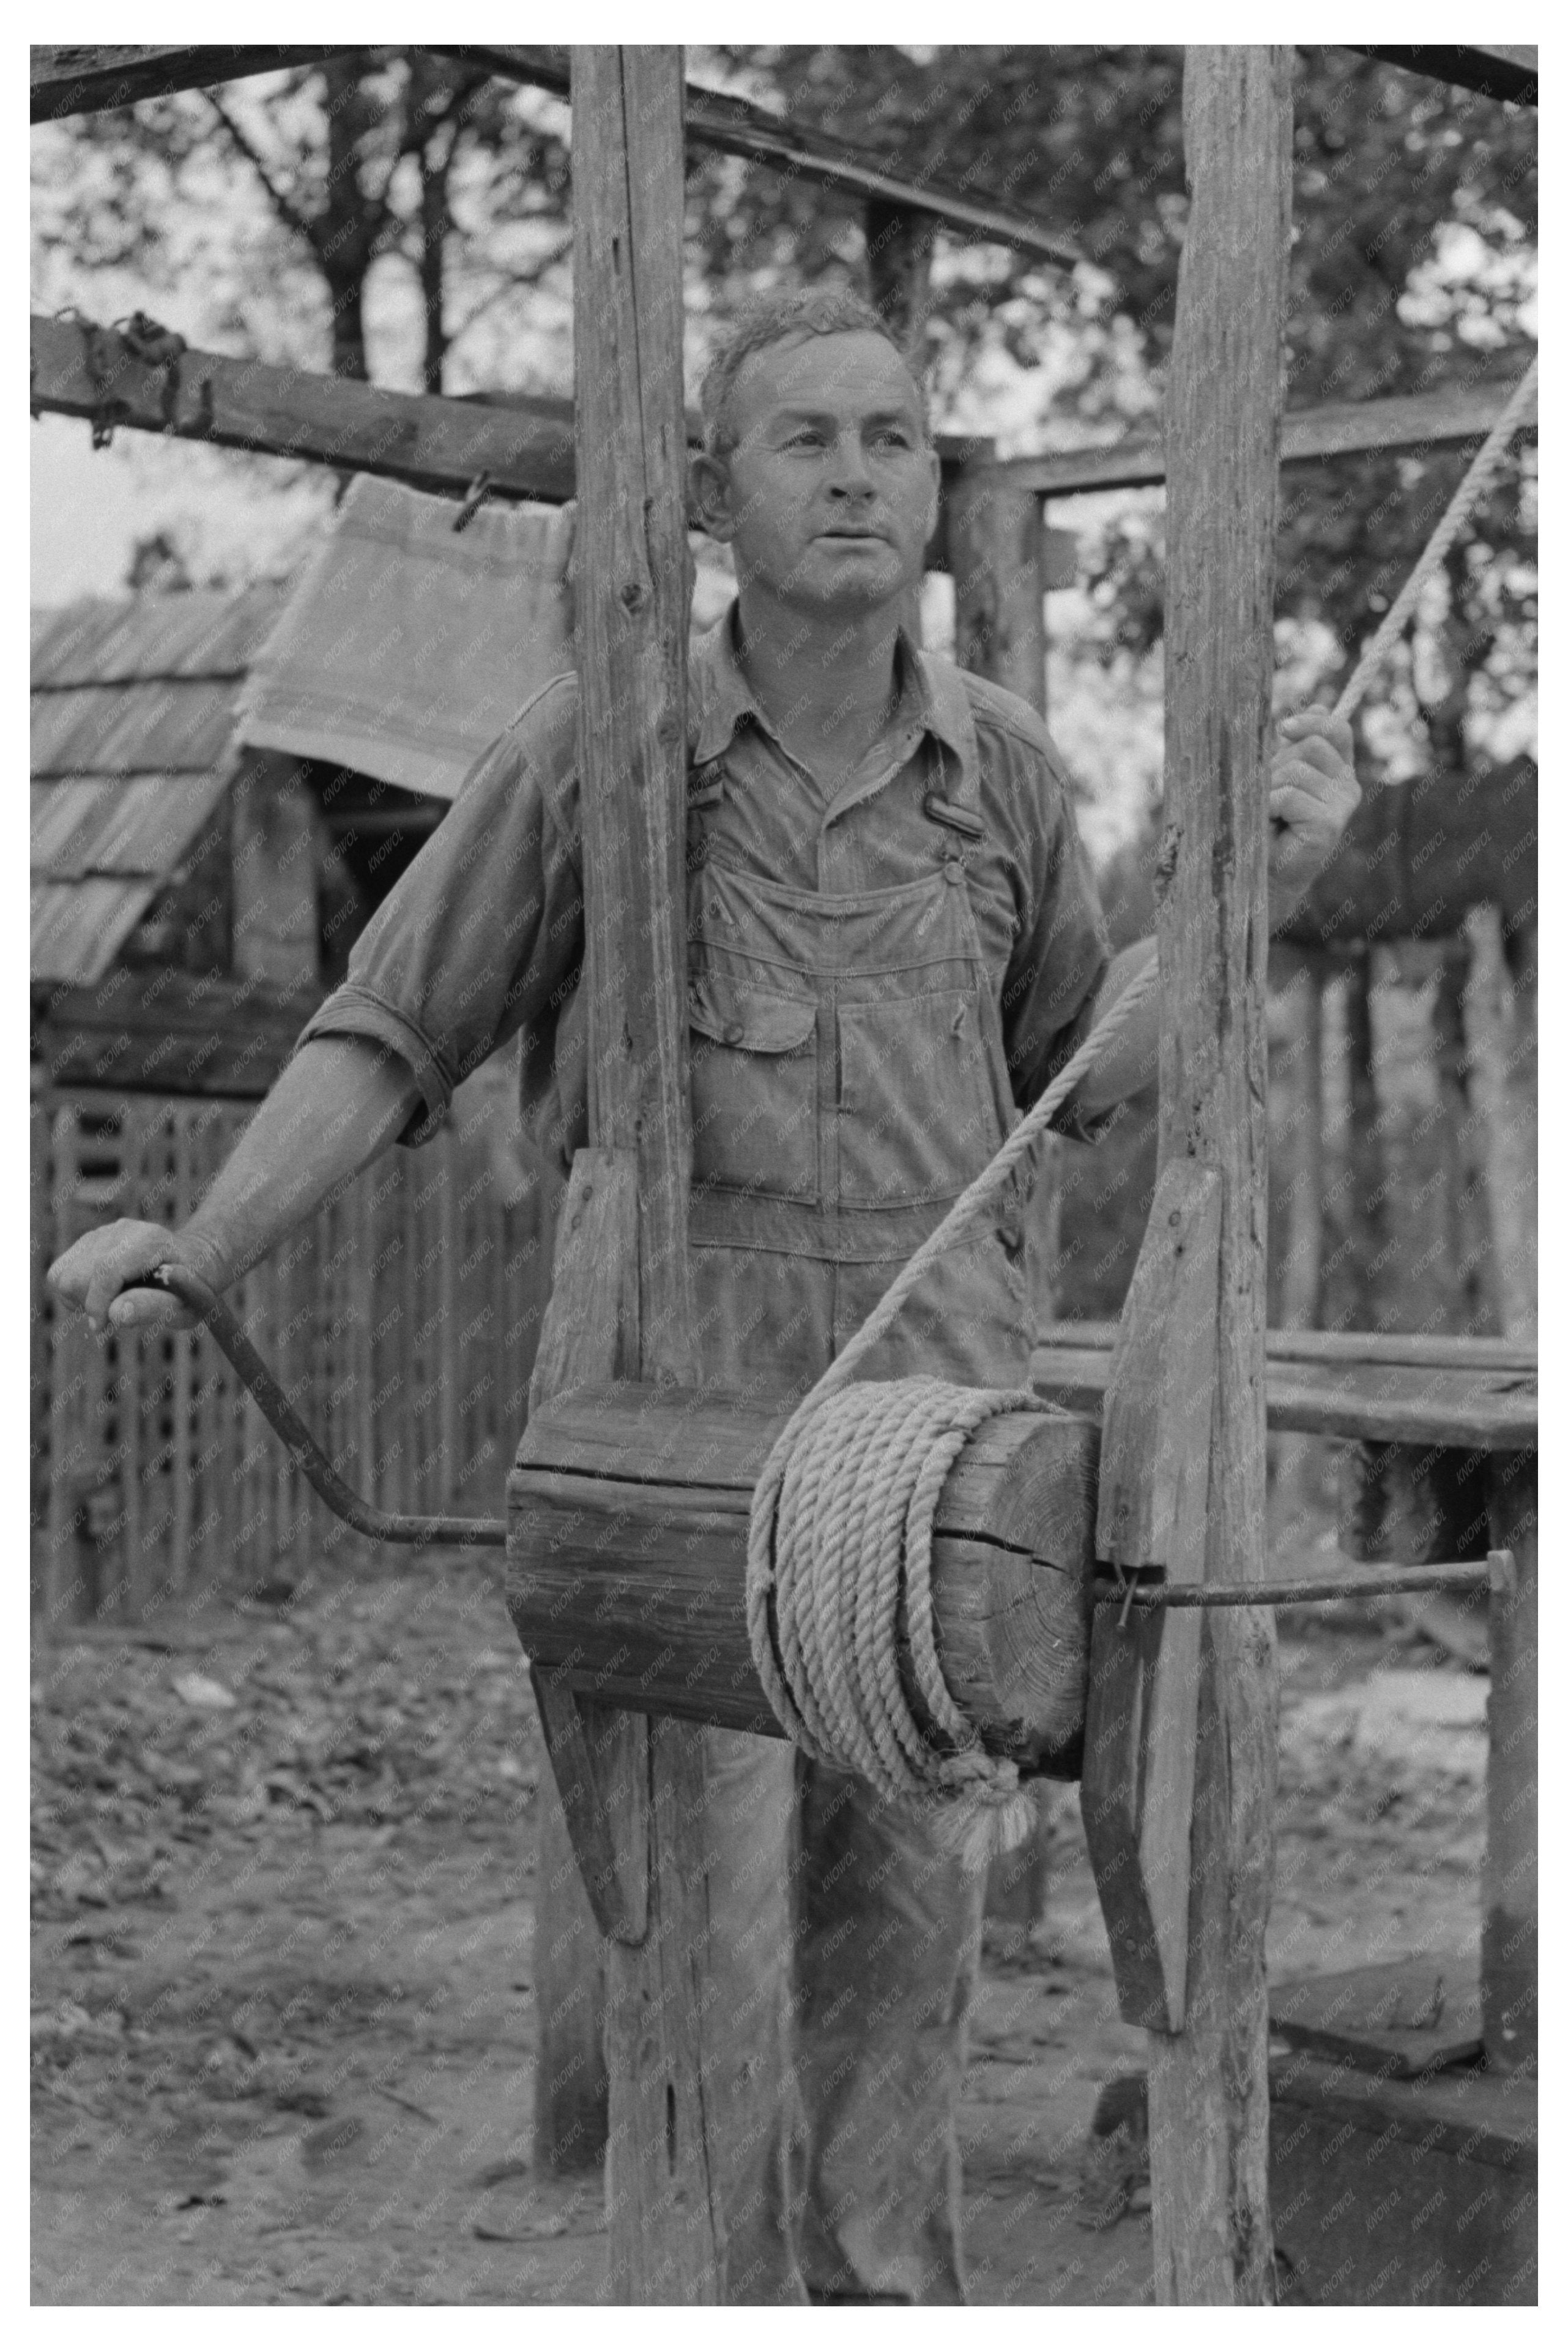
(40, 1319)
(154, 1473)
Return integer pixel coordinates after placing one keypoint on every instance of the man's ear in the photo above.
(708, 492)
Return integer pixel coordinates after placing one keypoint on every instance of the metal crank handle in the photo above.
(383, 1526)
(1497, 1571)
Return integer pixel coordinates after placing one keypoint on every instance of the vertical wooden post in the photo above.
(898, 261)
(1208, 2084)
(898, 257)
(1512, 1174)
(1296, 1194)
(996, 549)
(1299, 1159)
(628, 176)
(1511, 1899)
(1461, 1128)
(996, 541)
(277, 839)
(1052, 545)
(1368, 1198)
(40, 1237)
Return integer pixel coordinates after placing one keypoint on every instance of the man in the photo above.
(892, 942)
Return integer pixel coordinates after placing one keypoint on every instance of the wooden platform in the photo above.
(1480, 1393)
(1403, 2193)
(1400, 2019)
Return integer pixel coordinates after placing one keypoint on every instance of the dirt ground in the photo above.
(283, 2026)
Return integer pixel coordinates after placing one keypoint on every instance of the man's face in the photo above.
(829, 496)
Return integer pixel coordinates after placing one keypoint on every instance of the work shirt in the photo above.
(878, 974)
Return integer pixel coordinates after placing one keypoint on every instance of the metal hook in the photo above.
(472, 499)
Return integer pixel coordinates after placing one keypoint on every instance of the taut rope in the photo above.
(841, 1517)
(1478, 474)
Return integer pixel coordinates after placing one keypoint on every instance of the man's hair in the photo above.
(777, 319)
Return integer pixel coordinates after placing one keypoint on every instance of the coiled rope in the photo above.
(840, 1530)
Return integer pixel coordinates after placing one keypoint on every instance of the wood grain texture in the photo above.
(1141, 1737)
(631, 614)
(997, 545)
(628, 1514)
(1405, 2193)
(414, 437)
(83, 79)
(1413, 421)
(1346, 1352)
(571, 2085)
(617, 1896)
(666, 2238)
(1511, 1900)
(1208, 2088)
(1484, 1410)
(1398, 2018)
(1154, 1461)
(1510, 73)
(589, 1334)
(997, 554)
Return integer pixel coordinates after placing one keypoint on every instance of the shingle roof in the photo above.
(133, 716)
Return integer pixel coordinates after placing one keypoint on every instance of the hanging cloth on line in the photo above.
(407, 647)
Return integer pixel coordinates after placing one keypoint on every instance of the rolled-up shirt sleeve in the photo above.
(1061, 953)
(482, 937)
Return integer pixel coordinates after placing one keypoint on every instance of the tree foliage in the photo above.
(283, 209)
(1412, 267)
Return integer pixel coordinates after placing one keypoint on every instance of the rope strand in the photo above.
(1482, 466)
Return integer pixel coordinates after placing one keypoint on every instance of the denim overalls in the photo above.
(848, 1080)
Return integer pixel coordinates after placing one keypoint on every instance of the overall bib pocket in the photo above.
(917, 1115)
(753, 1087)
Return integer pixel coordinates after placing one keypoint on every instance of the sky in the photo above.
(239, 517)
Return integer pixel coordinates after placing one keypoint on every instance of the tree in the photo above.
(327, 179)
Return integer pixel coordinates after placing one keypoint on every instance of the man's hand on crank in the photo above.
(1313, 795)
(100, 1272)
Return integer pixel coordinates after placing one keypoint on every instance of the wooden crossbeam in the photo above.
(526, 445)
(87, 80)
(737, 126)
(94, 79)
(1410, 421)
(1493, 71)
(429, 442)
(1485, 1407)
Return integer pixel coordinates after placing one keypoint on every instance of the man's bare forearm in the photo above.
(338, 1104)
(1132, 1061)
